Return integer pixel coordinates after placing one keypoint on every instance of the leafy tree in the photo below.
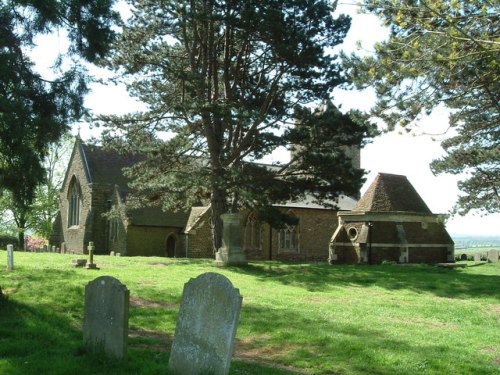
(443, 52)
(35, 112)
(226, 83)
(37, 215)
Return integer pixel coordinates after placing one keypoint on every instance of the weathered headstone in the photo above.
(477, 257)
(492, 255)
(463, 257)
(206, 326)
(231, 252)
(105, 320)
(10, 257)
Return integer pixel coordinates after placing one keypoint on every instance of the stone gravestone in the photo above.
(105, 320)
(477, 257)
(463, 257)
(231, 252)
(206, 326)
(10, 257)
(493, 255)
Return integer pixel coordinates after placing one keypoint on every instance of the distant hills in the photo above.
(467, 241)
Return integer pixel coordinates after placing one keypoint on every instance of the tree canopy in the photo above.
(226, 83)
(443, 52)
(35, 112)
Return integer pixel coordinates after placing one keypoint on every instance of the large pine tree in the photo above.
(443, 52)
(226, 83)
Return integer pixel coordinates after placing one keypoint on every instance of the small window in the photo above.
(352, 232)
(113, 229)
(253, 232)
(289, 238)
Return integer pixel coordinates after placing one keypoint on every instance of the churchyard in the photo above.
(294, 318)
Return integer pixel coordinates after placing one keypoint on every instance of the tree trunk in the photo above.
(219, 207)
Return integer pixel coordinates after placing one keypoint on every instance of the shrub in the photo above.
(8, 240)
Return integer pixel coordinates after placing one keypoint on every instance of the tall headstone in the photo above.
(493, 255)
(10, 257)
(105, 320)
(206, 326)
(231, 252)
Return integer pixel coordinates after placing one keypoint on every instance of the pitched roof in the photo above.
(194, 216)
(391, 192)
(155, 216)
(106, 166)
(343, 203)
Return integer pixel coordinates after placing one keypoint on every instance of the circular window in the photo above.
(352, 232)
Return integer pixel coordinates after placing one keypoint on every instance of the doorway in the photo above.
(171, 246)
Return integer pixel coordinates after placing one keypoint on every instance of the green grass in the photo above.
(295, 319)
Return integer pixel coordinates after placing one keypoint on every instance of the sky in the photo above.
(394, 152)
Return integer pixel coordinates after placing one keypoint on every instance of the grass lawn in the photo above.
(295, 318)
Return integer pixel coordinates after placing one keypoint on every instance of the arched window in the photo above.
(289, 237)
(252, 232)
(74, 204)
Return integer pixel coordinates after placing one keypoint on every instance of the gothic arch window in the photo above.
(74, 203)
(289, 237)
(253, 232)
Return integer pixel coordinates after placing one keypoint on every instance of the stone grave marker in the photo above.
(463, 257)
(105, 320)
(477, 257)
(90, 264)
(10, 257)
(206, 326)
(493, 255)
(231, 252)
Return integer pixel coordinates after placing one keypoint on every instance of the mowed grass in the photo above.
(295, 318)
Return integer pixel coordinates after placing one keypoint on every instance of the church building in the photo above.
(95, 185)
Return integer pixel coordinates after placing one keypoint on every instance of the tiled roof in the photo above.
(343, 203)
(390, 192)
(195, 215)
(155, 216)
(106, 166)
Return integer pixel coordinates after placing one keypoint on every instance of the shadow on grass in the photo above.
(451, 283)
(45, 337)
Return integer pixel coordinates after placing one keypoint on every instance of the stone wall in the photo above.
(200, 238)
(76, 237)
(151, 241)
(315, 228)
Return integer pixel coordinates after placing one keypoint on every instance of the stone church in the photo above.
(94, 185)
(390, 222)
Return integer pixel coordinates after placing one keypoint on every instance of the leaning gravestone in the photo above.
(493, 255)
(206, 326)
(10, 257)
(105, 320)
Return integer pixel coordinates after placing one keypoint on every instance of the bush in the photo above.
(8, 240)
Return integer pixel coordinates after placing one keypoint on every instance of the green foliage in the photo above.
(34, 111)
(225, 80)
(442, 52)
(38, 215)
(295, 318)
